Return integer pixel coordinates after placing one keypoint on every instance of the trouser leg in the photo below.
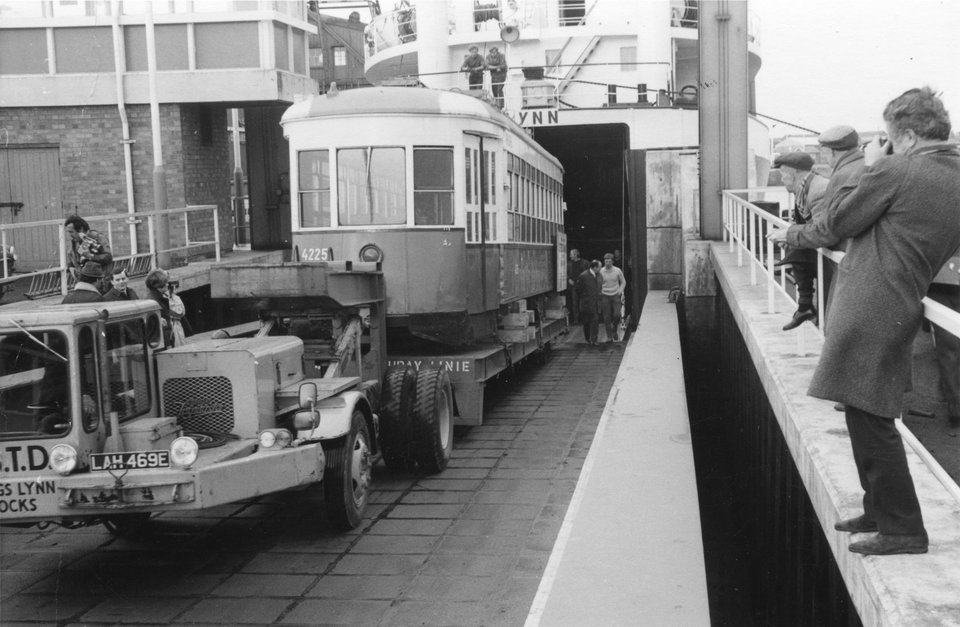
(889, 497)
(589, 319)
(803, 276)
(947, 350)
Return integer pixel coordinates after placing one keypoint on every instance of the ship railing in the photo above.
(390, 29)
(745, 229)
(193, 231)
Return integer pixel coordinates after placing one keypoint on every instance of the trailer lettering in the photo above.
(36, 487)
(20, 459)
(9, 506)
(450, 365)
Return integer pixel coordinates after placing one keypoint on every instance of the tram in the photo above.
(463, 210)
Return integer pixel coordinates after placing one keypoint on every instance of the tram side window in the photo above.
(433, 186)
(371, 186)
(314, 188)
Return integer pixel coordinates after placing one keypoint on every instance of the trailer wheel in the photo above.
(399, 390)
(127, 525)
(346, 481)
(433, 420)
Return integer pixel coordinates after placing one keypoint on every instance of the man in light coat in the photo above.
(902, 221)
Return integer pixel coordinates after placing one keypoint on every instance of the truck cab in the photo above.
(100, 423)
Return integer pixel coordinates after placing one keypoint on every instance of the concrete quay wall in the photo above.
(888, 590)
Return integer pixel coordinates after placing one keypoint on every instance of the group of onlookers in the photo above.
(895, 209)
(97, 279)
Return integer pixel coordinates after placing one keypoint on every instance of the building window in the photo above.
(316, 58)
(628, 58)
(339, 56)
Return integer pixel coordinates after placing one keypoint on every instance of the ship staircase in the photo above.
(565, 73)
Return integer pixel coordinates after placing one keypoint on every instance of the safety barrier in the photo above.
(194, 238)
(745, 227)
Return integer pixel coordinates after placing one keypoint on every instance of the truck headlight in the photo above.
(275, 438)
(63, 458)
(183, 452)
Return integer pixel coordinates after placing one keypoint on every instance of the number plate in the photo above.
(130, 461)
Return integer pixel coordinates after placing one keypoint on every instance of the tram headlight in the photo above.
(183, 452)
(63, 459)
(371, 253)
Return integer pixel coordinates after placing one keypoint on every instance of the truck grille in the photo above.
(200, 404)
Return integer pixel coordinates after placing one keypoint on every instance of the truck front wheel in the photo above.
(433, 420)
(346, 481)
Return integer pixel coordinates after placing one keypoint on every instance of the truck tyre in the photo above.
(127, 525)
(433, 420)
(399, 390)
(346, 480)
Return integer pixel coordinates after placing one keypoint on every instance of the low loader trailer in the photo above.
(288, 298)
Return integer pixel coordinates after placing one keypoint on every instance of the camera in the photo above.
(173, 285)
(91, 245)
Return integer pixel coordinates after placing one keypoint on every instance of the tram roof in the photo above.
(386, 100)
(381, 99)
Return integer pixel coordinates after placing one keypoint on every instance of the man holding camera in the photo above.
(87, 247)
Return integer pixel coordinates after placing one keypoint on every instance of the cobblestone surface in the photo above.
(465, 547)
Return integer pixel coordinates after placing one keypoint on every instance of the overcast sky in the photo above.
(827, 62)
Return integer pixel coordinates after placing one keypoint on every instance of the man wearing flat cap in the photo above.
(846, 159)
(808, 187)
(85, 291)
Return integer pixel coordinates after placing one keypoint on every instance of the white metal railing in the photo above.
(745, 227)
(188, 237)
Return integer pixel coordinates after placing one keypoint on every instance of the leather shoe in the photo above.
(840, 407)
(860, 524)
(801, 316)
(889, 544)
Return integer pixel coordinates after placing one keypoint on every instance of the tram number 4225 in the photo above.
(317, 254)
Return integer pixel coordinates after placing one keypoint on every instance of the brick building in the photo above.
(62, 112)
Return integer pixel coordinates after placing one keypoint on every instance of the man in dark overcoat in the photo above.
(587, 293)
(903, 221)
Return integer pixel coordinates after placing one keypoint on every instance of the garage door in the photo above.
(29, 192)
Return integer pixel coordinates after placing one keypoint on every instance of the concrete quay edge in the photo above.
(886, 590)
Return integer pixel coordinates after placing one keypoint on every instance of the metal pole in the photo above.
(119, 66)
(159, 175)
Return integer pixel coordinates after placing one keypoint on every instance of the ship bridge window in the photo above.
(371, 187)
(314, 183)
(433, 186)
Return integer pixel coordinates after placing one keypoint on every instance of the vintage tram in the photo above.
(461, 207)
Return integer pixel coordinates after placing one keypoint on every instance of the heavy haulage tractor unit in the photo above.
(100, 423)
